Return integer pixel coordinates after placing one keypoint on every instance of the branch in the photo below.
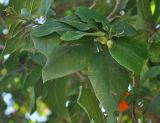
(114, 11)
(120, 118)
(133, 112)
(82, 78)
(93, 4)
(2, 47)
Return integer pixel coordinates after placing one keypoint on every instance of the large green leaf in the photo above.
(33, 77)
(49, 27)
(129, 53)
(75, 22)
(13, 45)
(90, 104)
(87, 15)
(77, 113)
(16, 41)
(45, 6)
(47, 44)
(151, 73)
(107, 78)
(54, 97)
(75, 35)
(66, 60)
(78, 25)
(31, 5)
(123, 28)
(70, 35)
(39, 59)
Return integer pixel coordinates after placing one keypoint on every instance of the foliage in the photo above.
(75, 65)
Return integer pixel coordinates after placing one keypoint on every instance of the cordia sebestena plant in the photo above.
(83, 63)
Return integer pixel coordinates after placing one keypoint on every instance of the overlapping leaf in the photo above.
(54, 96)
(90, 104)
(151, 73)
(45, 6)
(107, 78)
(66, 60)
(49, 27)
(123, 29)
(75, 22)
(70, 35)
(47, 44)
(129, 53)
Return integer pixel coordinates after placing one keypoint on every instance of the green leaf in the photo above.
(155, 37)
(25, 13)
(123, 28)
(45, 6)
(66, 60)
(91, 16)
(31, 5)
(49, 27)
(129, 53)
(154, 46)
(144, 6)
(28, 44)
(13, 45)
(107, 78)
(12, 62)
(47, 44)
(151, 73)
(39, 59)
(33, 77)
(77, 113)
(87, 15)
(88, 101)
(54, 97)
(75, 22)
(70, 36)
(78, 25)
(154, 52)
(157, 10)
(154, 106)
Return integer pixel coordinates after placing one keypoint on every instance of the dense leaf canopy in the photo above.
(79, 61)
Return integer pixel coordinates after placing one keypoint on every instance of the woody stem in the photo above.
(120, 118)
(133, 110)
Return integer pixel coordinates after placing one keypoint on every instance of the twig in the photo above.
(133, 112)
(93, 4)
(3, 22)
(120, 118)
(133, 81)
(82, 78)
(2, 47)
(114, 11)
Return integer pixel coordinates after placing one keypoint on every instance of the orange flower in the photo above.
(122, 106)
